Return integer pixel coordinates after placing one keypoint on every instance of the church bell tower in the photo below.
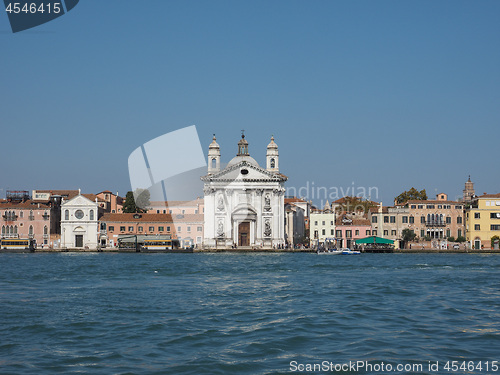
(213, 157)
(272, 164)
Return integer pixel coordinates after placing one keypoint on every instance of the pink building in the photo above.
(24, 218)
(350, 227)
(110, 202)
(187, 228)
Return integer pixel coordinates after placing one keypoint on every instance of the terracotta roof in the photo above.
(150, 218)
(294, 199)
(68, 193)
(489, 196)
(355, 221)
(434, 201)
(340, 200)
(29, 204)
(92, 197)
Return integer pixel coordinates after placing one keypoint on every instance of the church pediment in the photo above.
(79, 200)
(244, 171)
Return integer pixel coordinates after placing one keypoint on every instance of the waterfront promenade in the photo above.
(244, 250)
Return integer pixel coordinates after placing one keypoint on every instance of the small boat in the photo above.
(347, 251)
(330, 251)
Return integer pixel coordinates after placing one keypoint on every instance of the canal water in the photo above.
(97, 313)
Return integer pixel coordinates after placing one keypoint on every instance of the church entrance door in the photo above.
(79, 240)
(244, 234)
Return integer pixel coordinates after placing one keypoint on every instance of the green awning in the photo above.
(374, 239)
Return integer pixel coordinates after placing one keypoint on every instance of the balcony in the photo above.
(435, 224)
(46, 216)
(10, 217)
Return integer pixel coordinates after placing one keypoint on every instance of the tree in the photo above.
(354, 204)
(408, 235)
(129, 204)
(461, 239)
(412, 194)
(451, 239)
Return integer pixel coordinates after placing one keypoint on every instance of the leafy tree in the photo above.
(412, 194)
(461, 239)
(354, 204)
(408, 235)
(451, 239)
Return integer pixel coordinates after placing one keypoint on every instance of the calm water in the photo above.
(244, 313)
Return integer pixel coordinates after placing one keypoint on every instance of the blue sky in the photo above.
(391, 94)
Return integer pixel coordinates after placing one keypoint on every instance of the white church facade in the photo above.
(244, 203)
(79, 223)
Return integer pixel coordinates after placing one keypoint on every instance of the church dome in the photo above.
(240, 158)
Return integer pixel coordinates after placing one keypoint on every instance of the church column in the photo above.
(259, 204)
(253, 224)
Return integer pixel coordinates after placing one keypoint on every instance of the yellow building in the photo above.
(483, 221)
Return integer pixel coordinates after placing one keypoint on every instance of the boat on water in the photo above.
(330, 251)
(347, 251)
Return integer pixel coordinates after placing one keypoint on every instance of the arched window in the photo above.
(428, 218)
(31, 215)
(66, 215)
(30, 232)
(45, 230)
(441, 219)
(15, 229)
(273, 163)
(3, 230)
(91, 214)
(214, 163)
